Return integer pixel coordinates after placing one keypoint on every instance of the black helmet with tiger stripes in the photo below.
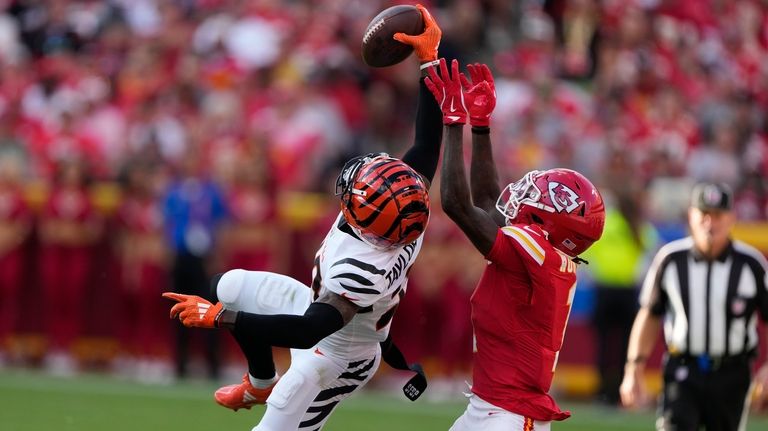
(383, 199)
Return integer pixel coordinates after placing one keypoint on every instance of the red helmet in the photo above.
(384, 200)
(566, 204)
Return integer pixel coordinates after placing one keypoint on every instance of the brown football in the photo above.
(379, 49)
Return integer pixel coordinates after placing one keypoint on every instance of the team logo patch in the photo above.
(562, 197)
(712, 196)
(738, 306)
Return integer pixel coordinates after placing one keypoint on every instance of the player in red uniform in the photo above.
(521, 305)
(15, 225)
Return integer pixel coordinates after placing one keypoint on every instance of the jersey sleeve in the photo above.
(515, 245)
(652, 294)
(359, 282)
(760, 269)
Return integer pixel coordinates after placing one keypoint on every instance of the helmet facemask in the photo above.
(522, 192)
(346, 179)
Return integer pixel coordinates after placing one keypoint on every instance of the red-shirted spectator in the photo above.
(143, 262)
(15, 225)
(69, 228)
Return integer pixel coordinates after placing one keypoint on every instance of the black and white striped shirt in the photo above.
(709, 307)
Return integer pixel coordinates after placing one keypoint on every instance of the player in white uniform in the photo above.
(338, 327)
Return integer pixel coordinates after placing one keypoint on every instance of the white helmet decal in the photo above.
(562, 197)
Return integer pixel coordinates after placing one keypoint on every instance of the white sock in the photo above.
(262, 383)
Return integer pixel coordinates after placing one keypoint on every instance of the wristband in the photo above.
(226, 318)
(429, 64)
(481, 130)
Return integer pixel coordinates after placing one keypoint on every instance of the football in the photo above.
(379, 49)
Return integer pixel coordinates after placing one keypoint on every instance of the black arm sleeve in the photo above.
(425, 152)
(285, 330)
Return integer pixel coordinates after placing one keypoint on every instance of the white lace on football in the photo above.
(374, 28)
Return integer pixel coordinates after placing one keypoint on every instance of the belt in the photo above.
(706, 363)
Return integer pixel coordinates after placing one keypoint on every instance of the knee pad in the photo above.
(286, 388)
(262, 292)
(277, 293)
(229, 286)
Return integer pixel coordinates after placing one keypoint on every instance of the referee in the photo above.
(709, 291)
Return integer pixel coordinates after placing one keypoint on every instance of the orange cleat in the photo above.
(242, 395)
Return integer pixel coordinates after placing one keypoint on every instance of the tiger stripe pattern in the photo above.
(356, 375)
(374, 280)
(387, 202)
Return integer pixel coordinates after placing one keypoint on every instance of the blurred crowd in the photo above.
(143, 141)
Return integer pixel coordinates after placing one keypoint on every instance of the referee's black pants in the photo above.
(706, 394)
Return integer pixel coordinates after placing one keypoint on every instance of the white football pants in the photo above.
(482, 415)
(316, 382)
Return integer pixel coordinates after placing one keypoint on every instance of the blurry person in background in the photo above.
(193, 211)
(252, 237)
(15, 226)
(531, 235)
(616, 263)
(69, 228)
(143, 261)
(708, 289)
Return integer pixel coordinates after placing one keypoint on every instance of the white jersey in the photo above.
(374, 279)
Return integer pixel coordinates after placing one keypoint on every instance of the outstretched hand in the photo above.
(447, 89)
(424, 44)
(760, 390)
(194, 311)
(479, 94)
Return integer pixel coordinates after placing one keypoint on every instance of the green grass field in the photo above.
(31, 401)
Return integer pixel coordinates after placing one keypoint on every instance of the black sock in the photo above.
(261, 365)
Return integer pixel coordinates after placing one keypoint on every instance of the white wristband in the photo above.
(428, 64)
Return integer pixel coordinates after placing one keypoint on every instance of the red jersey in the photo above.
(519, 312)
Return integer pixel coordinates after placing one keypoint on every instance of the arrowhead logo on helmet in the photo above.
(563, 198)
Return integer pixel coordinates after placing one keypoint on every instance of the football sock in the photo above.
(259, 356)
(262, 383)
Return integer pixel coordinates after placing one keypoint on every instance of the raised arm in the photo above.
(475, 222)
(483, 178)
(424, 155)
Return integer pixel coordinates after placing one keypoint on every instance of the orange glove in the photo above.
(426, 43)
(194, 311)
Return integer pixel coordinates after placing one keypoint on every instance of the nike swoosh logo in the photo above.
(453, 117)
(452, 108)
